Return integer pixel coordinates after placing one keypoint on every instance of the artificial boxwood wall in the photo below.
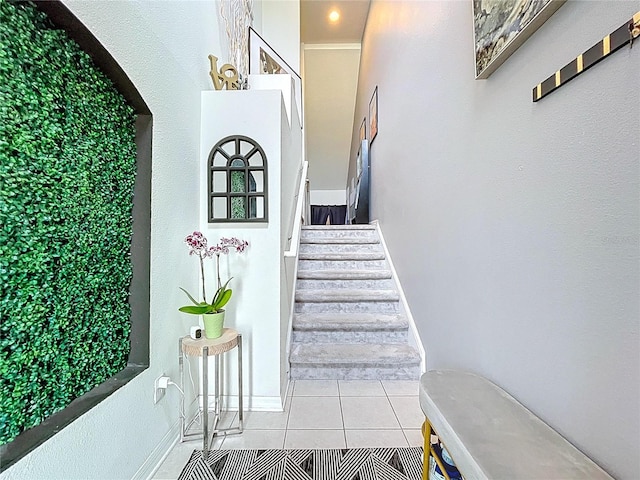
(67, 172)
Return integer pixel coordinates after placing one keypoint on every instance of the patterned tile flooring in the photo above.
(324, 414)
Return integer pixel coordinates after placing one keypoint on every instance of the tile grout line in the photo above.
(286, 425)
(344, 427)
(395, 415)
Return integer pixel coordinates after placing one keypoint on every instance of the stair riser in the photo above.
(359, 226)
(349, 337)
(369, 240)
(355, 373)
(337, 247)
(370, 274)
(342, 256)
(342, 264)
(351, 307)
(369, 322)
(369, 284)
(338, 233)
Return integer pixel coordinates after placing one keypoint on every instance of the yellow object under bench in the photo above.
(429, 451)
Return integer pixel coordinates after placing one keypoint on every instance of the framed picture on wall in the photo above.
(363, 129)
(500, 30)
(373, 115)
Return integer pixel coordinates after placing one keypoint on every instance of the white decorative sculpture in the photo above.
(238, 16)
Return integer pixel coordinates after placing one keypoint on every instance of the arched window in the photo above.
(237, 181)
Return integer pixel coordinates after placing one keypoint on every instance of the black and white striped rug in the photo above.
(335, 464)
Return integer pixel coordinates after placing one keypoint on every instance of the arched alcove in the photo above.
(138, 294)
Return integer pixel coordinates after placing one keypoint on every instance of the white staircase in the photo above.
(348, 322)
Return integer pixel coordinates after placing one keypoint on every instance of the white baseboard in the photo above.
(414, 336)
(153, 461)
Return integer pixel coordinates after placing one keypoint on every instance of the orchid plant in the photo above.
(198, 245)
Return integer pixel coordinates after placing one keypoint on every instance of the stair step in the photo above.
(345, 295)
(348, 322)
(353, 337)
(341, 256)
(344, 274)
(338, 227)
(318, 232)
(336, 328)
(350, 284)
(354, 361)
(389, 307)
(342, 265)
(339, 240)
(346, 354)
(330, 248)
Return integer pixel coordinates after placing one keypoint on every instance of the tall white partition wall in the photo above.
(255, 307)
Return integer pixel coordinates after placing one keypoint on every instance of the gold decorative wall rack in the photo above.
(626, 33)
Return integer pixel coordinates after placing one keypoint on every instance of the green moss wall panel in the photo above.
(67, 172)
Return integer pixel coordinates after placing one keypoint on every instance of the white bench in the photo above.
(489, 435)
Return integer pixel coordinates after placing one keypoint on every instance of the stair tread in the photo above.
(354, 354)
(348, 321)
(341, 256)
(326, 295)
(371, 274)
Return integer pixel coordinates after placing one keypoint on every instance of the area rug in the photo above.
(334, 464)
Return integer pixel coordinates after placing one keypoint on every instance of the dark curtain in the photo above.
(336, 213)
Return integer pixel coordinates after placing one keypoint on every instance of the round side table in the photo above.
(204, 348)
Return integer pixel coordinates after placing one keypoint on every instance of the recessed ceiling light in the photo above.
(334, 16)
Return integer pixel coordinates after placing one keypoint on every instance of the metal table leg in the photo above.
(240, 410)
(181, 367)
(205, 402)
(217, 399)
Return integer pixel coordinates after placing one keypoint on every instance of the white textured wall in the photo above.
(280, 22)
(514, 226)
(330, 84)
(328, 197)
(163, 47)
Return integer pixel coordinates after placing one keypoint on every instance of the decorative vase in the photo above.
(213, 323)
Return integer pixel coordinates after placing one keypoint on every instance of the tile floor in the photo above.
(323, 414)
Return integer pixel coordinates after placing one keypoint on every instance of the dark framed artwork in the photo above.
(373, 115)
(363, 130)
(361, 204)
(503, 26)
(264, 60)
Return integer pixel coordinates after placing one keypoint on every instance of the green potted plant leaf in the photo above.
(212, 312)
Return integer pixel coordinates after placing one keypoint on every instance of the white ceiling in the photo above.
(315, 26)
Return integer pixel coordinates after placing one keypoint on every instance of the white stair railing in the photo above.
(291, 254)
